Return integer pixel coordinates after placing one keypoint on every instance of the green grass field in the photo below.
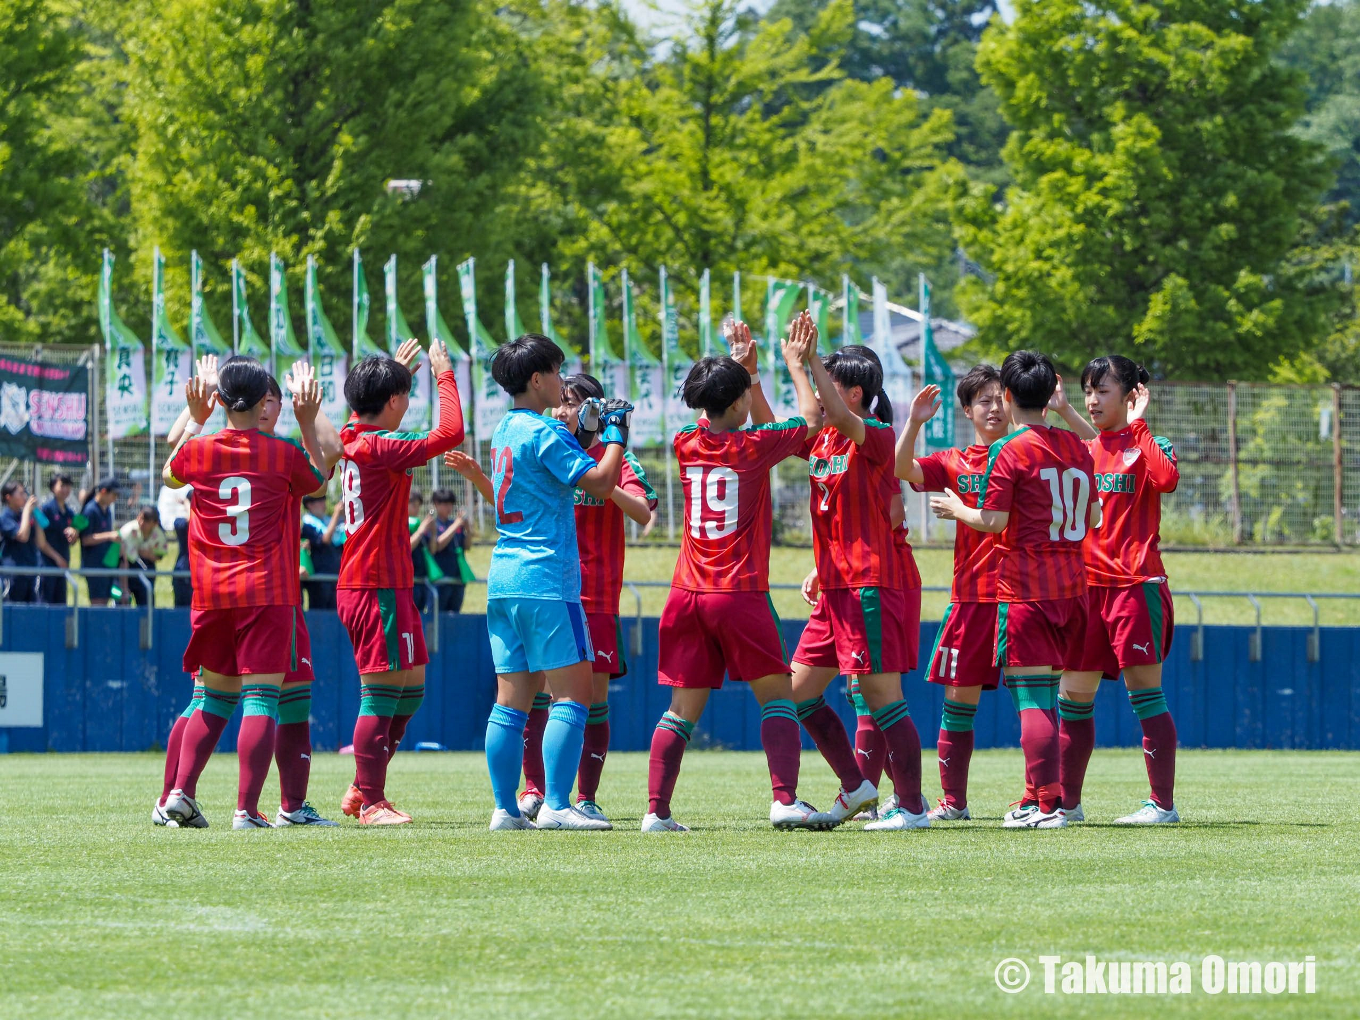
(102, 915)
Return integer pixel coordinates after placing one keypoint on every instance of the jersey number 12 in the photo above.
(503, 463)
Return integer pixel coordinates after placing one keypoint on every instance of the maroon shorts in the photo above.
(1125, 627)
(300, 667)
(963, 652)
(606, 637)
(1047, 632)
(704, 634)
(384, 628)
(859, 631)
(250, 641)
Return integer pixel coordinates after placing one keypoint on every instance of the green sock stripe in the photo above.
(260, 700)
(379, 700)
(1046, 677)
(598, 713)
(1033, 696)
(195, 702)
(779, 708)
(672, 722)
(861, 706)
(805, 708)
(295, 704)
(1076, 711)
(410, 700)
(542, 700)
(957, 717)
(890, 715)
(1149, 702)
(219, 703)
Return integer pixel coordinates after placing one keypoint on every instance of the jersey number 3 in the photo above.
(713, 490)
(503, 464)
(235, 530)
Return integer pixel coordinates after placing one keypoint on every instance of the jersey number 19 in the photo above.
(713, 490)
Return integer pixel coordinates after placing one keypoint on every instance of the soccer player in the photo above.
(1129, 616)
(718, 617)
(856, 627)
(533, 615)
(1037, 496)
(374, 595)
(962, 657)
(243, 554)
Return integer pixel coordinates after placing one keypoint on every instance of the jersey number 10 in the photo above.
(715, 490)
(1069, 505)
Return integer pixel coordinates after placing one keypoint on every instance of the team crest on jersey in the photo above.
(823, 467)
(1130, 456)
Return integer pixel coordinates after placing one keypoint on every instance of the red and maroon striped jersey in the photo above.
(1133, 469)
(725, 477)
(1044, 478)
(911, 574)
(852, 535)
(599, 537)
(245, 530)
(975, 559)
(375, 485)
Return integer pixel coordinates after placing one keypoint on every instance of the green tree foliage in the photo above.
(1157, 186)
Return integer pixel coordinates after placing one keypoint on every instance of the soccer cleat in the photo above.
(569, 818)
(592, 810)
(530, 803)
(305, 815)
(1150, 814)
(800, 815)
(352, 802)
(1018, 816)
(1037, 819)
(382, 813)
(888, 805)
(849, 803)
(243, 819)
(504, 821)
(396, 810)
(947, 812)
(655, 823)
(183, 811)
(899, 818)
(158, 815)
(867, 816)
(1075, 814)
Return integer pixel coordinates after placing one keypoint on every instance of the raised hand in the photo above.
(1058, 403)
(743, 348)
(615, 418)
(925, 404)
(408, 353)
(199, 398)
(306, 392)
(440, 362)
(207, 369)
(1138, 402)
(298, 376)
(462, 463)
(801, 343)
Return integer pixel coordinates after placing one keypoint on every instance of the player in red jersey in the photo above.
(962, 657)
(1129, 616)
(376, 577)
(244, 550)
(855, 628)
(718, 617)
(1037, 498)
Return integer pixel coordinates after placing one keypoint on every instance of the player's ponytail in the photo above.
(1128, 374)
(242, 382)
(851, 367)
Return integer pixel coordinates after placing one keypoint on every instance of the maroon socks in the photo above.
(669, 741)
(593, 751)
(779, 737)
(904, 754)
(828, 733)
(534, 779)
(1076, 740)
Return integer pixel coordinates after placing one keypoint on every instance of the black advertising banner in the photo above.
(44, 411)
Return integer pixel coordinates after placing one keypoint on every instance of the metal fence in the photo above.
(1260, 464)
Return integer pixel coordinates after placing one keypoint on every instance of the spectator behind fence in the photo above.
(19, 533)
(183, 586)
(422, 527)
(448, 546)
(143, 544)
(322, 542)
(99, 538)
(59, 531)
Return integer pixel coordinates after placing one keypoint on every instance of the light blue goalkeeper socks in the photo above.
(504, 753)
(563, 738)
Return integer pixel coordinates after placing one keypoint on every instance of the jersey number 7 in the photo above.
(503, 463)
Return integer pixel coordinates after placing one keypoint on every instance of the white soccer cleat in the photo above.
(1036, 819)
(1018, 817)
(888, 805)
(899, 818)
(655, 823)
(245, 820)
(799, 815)
(530, 804)
(592, 810)
(568, 818)
(1150, 814)
(1075, 814)
(867, 816)
(849, 803)
(305, 815)
(183, 811)
(158, 815)
(504, 821)
(948, 813)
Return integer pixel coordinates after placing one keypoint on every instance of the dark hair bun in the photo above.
(1143, 377)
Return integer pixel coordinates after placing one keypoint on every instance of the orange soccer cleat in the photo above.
(352, 802)
(382, 813)
(397, 810)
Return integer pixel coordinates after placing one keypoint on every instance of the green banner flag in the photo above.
(283, 342)
(439, 330)
(819, 304)
(398, 329)
(545, 307)
(491, 400)
(706, 347)
(514, 326)
(850, 333)
(601, 353)
(676, 363)
(935, 370)
(635, 351)
(361, 345)
(172, 358)
(324, 350)
(244, 337)
(125, 373)
(203, 335)
(736, 294)
(781, 296)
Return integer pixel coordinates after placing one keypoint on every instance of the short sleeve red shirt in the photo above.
(975, 562)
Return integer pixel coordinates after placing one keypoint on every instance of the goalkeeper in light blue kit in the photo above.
(533, 613)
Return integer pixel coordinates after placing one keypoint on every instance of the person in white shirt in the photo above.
(143, 544)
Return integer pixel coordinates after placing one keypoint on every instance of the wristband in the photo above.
(755, 378)
(192, 428)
